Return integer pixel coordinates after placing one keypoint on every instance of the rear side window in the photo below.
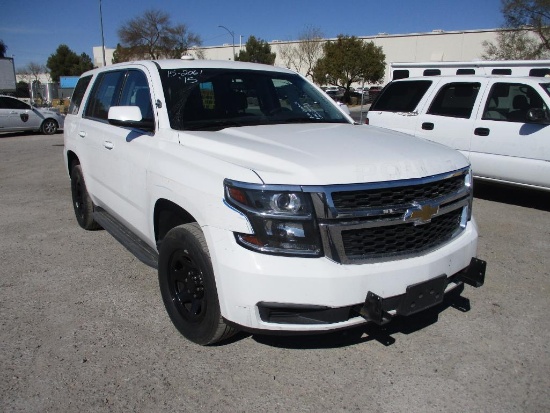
(401, 96)
(78, 94)
(539, 72)
(400, 74)
(432, 72)
(104, 94)
(501, 72)
(455, 100)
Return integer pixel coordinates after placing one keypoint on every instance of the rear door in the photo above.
(121, 155)
(505, 144)
(448, 115)
(397, 105)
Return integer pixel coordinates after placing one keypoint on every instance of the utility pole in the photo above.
(102, 37)
(233, 37)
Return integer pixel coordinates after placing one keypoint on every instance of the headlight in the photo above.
(281, 218)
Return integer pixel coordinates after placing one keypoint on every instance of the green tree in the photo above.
(153, 36)
(256, 51)
(348, 60)
(3, 48)
(65, 62)
(526, 31)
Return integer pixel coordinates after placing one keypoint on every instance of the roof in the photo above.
(194, 64)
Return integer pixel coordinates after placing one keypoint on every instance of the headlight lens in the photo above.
(281, 218)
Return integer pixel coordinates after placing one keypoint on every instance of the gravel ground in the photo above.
(83, 327)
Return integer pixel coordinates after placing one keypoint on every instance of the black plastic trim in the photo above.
(127, 238)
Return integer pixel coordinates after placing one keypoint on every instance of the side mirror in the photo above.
(537, 115)
(129, 117)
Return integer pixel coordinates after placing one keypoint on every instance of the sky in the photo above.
(33, 29)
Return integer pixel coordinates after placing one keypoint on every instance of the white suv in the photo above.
(501, 123)
(261, 203)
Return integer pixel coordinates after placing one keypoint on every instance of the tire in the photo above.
(49, 127)
(82, 203)
(188, 287)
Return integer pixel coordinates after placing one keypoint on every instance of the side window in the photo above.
(136, 93)
(511, 102)
(501, 71)
(104, 94)
(400, 74)
(455, 100)
(11, 103)
(401, 96)
(432, 72)
(540, 72)
(78, 94)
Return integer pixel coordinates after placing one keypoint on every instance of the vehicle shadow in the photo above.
(368, 332)
(512, 195)
(25, 133)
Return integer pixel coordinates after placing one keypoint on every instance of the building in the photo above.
(437, 45)
(97, 59)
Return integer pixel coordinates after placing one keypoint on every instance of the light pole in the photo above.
(233, 37)
(102, 38)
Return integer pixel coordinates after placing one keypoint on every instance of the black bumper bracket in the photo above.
(372, 310)
(474, 274)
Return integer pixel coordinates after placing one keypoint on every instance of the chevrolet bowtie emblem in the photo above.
(421, 214)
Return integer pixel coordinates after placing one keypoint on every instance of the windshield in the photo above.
(213, 99)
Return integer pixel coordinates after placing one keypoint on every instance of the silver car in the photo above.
(16, 115)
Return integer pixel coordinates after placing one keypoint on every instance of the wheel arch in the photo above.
(168, 215)
(71, 159)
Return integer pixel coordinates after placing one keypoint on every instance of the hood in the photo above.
(325, 154)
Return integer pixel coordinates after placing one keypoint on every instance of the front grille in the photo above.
(400, 239)
(394, 220)
(385, 197)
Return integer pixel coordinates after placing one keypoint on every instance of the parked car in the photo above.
(335, 92)
(16, 115)
(263, 206)
(373, 92)
(501, 123)
(361, 93)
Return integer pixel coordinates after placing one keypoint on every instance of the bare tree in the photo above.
(303, 54)
(31, 72)
(534, 14)
(153, 36)
(514, 44)
(288, 54)
(3, 48)
(526, 32)
(310, 49)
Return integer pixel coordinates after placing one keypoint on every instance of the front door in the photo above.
(505, 144)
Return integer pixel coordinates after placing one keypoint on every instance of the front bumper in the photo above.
(274, 293)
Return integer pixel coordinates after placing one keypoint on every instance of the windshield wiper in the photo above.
(212, 124)
(305, 119)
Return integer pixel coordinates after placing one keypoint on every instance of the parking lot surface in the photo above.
(83, 327)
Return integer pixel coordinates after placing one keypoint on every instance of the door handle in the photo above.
(82, 134)
(481, 131)
(108, 144)
(428, 126)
